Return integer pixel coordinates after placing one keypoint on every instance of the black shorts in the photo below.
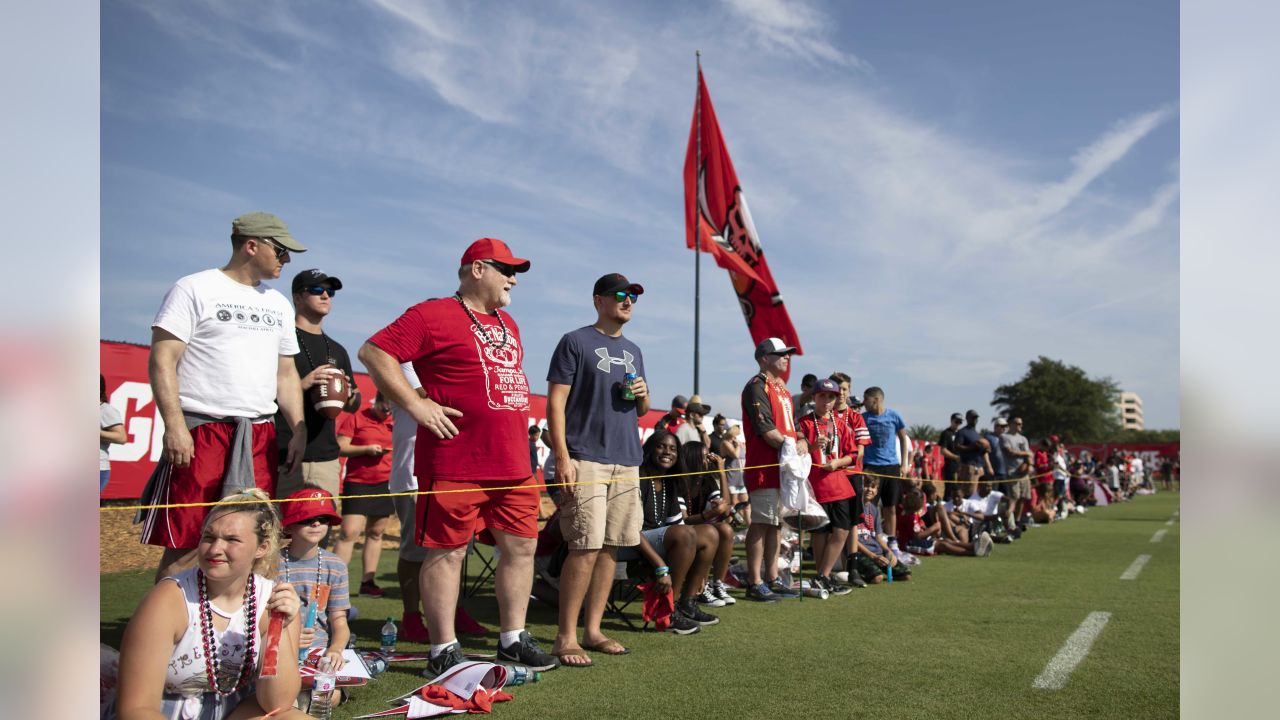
(840, 512)
(890, 487)
(855, 502)
(950, 470)
(354, 504)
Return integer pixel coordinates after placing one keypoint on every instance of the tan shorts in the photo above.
(323, 475)
(766, 507)
(596, 513)
(407, 511)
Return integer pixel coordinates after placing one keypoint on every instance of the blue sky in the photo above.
(944, 191)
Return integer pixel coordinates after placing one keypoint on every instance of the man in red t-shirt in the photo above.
(833, 450)
(470, 455)
(767, 422)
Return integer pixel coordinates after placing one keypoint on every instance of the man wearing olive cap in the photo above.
(222, 348)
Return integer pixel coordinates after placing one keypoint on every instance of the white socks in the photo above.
(510, 637)
(437, 649)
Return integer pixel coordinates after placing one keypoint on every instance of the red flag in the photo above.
(717, 218)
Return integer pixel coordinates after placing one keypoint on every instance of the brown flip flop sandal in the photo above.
(613, 647)
(564, 662)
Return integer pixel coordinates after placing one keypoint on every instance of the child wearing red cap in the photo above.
(319, 576)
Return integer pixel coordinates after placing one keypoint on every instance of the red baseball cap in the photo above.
(493, 249)
(310, 503)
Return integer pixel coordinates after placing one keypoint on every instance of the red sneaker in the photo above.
(467, 625)
(412, 629)
(370, 588)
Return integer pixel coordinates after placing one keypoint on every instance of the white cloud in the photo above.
(793, 27)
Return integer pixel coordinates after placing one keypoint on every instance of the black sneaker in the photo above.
(835, 588)
(777, 588)
(682, 625)
(856, 580)
(445, 660)
(525, 651)
(690, 610)
(760, 593)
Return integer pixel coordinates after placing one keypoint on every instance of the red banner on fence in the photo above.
(124, 365)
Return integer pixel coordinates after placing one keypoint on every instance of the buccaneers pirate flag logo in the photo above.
(717, 219)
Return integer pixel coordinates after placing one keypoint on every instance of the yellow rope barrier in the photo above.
(415, 493)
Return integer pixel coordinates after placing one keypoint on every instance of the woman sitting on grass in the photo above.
(679, 554)
(193, 648)
(704, 506)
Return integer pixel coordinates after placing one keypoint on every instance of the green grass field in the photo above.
(964, 639)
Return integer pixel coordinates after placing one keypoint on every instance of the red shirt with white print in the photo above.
(460, 367)
(828, 485)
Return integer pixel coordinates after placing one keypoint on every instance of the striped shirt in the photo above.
(305, 573)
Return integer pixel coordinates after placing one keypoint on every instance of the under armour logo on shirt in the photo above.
(606, 360)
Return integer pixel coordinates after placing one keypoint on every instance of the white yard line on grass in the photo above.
(1158, 536)
(1135, 568)
(1169, 521)
(1055, 674)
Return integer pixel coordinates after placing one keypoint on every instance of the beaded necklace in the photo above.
(484, 331)
(659, 516)
(288, 566)
(328, 353)
(212, 662)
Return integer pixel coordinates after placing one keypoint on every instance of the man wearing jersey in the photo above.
(471, 454)
(767, 422)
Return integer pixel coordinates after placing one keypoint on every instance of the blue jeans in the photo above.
(103, 475)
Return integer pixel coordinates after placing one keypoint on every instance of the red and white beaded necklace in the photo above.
(211, 660)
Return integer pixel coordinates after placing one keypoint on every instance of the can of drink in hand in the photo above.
(626, 387)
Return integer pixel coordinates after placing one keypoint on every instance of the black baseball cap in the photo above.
(615, 282)
(971, 414)
(956, 416)
(314, 276)
(773, 346)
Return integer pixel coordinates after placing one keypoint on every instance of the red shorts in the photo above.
(201, 481)
(448, 520)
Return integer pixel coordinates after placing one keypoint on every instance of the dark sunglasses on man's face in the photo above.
(621, 296)
(318, 520)
(501, 267)
(320, 290)
(281, 250)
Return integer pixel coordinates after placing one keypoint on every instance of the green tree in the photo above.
(927, 433)
(1054, 398)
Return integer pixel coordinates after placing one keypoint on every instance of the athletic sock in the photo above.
(438, 649)
(509, 638)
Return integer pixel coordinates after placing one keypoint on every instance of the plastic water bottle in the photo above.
(521, 674)
(626, 387)
(888, 574)
(388, 637)
(795, 560)
(322, 692)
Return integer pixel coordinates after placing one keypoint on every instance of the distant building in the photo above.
(1130, 409)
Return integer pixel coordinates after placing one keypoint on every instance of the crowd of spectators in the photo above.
(232, 359)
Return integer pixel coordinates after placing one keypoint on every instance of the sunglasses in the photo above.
(505, 269)
(621, 296)
(320, 290)
(281, 250)
(318, 520)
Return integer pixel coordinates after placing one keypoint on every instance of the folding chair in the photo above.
(625, 591)
(487, 564)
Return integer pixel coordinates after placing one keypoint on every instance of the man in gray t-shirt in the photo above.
(593, 413)
(1017, 458)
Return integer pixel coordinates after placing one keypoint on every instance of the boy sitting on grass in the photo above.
(873, 556)
(921, 539)
(318, 575)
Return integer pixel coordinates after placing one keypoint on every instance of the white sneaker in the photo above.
(906, 557)
(708, 598)
(982, 547)
(721, 592)
(842, 576)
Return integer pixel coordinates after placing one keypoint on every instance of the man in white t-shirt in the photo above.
(222, 348)
(404, 433)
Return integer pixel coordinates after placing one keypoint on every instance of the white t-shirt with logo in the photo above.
(235, 335)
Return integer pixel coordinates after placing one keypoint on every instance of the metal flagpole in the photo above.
(697, 237)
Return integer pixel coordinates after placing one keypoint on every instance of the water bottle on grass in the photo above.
(388, 637)
(521, 674)
(322, 691)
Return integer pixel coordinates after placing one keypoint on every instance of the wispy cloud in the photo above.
(793, 27)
